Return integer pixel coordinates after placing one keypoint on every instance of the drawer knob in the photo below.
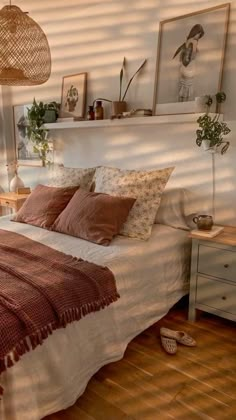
(7, 202)
(226, 265)
(224, 297)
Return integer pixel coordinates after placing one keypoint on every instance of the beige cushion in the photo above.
(61, 176)
(171, 209)
(44, 205)
(95, 217)
(145, 186)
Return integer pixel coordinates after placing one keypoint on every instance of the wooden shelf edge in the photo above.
(134, 121)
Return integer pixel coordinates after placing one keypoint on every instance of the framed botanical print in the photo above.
(190, 59)
(73, 96)
(25, 151)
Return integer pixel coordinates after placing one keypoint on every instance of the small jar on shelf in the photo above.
(98, 114)
(90, 113)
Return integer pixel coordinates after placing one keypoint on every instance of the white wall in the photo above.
(93, 36)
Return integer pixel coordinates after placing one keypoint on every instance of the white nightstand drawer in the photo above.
(216, 294)
(217, 262)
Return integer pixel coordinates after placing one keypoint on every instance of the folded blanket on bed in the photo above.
(41, 290)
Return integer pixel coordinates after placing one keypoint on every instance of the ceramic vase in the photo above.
(15, 183)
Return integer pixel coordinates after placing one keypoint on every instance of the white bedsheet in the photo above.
(150, 276)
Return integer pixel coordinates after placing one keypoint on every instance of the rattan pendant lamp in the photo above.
(25, 57)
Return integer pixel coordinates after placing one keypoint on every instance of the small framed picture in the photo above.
(25, 151)
(73, 96)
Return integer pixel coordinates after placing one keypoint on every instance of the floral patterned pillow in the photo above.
(61, 176)
(145, 186)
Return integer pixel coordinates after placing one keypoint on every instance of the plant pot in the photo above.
(206, 146)
(118, 107)
(50, 116)
(201, 106)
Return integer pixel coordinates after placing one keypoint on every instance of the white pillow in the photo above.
(171, 209)
(61, 176)
(145, 186)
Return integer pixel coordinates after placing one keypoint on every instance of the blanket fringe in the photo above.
(72, 314)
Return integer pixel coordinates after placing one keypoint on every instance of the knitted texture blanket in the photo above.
(41, 290)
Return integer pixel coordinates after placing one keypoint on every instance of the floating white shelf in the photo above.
(134, 121)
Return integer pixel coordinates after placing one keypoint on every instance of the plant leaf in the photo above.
(121, 77)
(130, 81)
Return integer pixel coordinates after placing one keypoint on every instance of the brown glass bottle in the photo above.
(90, 113)
(98, 111)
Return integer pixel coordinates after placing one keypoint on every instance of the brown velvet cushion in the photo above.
(96, 217)
(44, 205)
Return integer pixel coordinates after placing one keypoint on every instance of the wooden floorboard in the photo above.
(148, 384)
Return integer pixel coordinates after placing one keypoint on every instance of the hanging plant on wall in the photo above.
(211, 131)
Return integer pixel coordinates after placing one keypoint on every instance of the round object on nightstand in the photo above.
(15, 183)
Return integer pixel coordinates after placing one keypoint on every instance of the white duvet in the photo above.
(150, 276)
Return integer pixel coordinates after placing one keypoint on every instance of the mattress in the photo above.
(151, 276)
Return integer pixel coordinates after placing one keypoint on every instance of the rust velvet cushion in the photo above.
(96, 217)
(44, 205)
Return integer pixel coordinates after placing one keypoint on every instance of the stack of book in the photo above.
(215, 230)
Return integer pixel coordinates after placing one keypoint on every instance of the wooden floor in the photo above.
(148, 384)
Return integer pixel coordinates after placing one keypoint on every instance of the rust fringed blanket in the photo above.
(41, 290)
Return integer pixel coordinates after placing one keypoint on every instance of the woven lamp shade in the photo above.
(25, 57)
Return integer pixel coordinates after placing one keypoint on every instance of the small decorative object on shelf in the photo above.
(98, 114)
(119, 107)
(90, 113)
(134, 113)
(211, 131)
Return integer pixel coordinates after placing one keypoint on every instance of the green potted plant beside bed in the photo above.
(212, 130)
(38, 114)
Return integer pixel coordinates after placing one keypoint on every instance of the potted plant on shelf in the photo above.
(118, 107)
(38, 114)
(211, 130)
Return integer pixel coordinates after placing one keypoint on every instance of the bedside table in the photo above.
(12, 200)
(213, 275)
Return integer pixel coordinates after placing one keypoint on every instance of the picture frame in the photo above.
(190, 59)
(73, 96)
(25, 153)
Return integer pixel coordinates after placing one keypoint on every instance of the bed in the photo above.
(151, 276)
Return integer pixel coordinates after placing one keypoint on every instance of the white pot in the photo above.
(15, 183)
(200, 104)
(207, 148)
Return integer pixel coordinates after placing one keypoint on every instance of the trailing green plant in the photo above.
(211, 128)
(35, 130)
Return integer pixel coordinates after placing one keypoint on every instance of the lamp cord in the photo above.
(213, 185)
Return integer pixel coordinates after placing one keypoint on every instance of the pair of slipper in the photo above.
(170, 338)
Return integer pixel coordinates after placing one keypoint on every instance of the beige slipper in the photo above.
(169, 345)
(180, 336)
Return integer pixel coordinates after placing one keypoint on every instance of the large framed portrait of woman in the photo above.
(190, 59)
